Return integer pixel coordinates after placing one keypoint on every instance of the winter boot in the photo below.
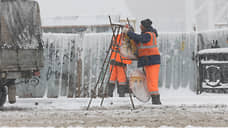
(121, 90)
(127, 89)
(156, 99)
(111, 88)
(12, 94)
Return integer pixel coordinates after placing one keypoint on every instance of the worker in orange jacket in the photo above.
(118, 67)
(148, 56)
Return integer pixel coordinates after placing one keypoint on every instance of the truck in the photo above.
(213, 70)
(21, 45)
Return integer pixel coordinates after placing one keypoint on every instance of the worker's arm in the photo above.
(139, 38)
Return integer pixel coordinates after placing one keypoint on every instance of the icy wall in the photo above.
(178, 67)
(73, 62)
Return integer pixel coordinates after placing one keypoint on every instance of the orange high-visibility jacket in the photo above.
(150, 48)
(115, 55)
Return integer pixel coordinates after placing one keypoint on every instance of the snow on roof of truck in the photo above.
(213, 50)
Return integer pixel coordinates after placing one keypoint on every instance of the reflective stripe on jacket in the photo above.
(149, 48)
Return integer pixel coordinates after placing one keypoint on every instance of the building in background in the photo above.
(182, 15)
(76, 24)
(76, 16)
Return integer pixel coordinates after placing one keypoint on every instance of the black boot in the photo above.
(121, 90)
(156, 99)
(111, 88)
(127, 89)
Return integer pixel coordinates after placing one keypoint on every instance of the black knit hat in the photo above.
(146, 23)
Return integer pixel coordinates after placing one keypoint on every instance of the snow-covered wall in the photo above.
(178, 67)
(73, 62)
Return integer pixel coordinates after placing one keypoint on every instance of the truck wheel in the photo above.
(2, 96)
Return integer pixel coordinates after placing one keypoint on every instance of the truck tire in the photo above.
(2, 96)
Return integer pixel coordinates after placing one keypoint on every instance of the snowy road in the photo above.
(206, 110)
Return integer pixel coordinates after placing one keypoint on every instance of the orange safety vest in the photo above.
(115, 55)
(149, 48)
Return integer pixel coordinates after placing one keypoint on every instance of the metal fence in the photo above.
(73, 62)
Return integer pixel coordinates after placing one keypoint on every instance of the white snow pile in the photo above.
(116, 127)
(170, 97)
(190, 127)
(172, 100)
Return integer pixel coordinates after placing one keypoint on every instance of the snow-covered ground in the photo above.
(180, 108)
